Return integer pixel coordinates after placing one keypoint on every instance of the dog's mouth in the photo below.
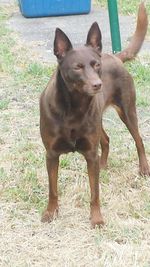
(93, 91)
(87, 89)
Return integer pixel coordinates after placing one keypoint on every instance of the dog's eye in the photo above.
(97, 65)
(79, 66)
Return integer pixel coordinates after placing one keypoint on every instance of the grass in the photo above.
(141, 74)
(68, 241)
(126, 7)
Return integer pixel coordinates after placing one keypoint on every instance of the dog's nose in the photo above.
(97, 85)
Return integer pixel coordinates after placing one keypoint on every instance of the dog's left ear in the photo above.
(94, 37)
(62, 44)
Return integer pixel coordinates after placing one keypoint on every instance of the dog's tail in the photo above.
(137, 40)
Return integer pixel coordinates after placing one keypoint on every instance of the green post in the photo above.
(114, 25)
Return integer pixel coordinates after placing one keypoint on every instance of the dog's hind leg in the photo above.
(104, 142)
(129, 117)
(52, 208)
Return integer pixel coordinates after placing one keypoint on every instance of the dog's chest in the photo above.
(73, 136)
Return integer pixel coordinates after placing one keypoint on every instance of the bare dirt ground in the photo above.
(68, 241)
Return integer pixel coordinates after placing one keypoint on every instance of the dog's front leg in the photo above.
(93, 165)
(52, 164)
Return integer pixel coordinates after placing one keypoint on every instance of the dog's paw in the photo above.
(96, 219)
(49, 216)
(97, 222)
(144, 170)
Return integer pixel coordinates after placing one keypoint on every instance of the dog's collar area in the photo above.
(73, 137)
(73, 145)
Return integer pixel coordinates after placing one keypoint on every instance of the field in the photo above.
(68, 241)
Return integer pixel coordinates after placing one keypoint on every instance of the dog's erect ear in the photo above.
(62, 44)
(94, 37)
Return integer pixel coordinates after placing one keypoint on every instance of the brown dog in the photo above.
(85, 83)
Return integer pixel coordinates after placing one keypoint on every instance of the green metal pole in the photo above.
(114, 25)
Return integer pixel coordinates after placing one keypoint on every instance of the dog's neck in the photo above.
(71, 101)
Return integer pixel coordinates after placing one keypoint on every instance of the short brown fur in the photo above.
(85, 83)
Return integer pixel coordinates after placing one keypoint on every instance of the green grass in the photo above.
(22, 70)
(4, 104)
(125, 7)
(141, 75)
(24, 80)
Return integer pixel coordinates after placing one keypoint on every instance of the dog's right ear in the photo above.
(62, 44)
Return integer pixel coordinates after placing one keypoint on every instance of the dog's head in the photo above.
(80, 68)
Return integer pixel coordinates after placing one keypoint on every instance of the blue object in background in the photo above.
(43, 8)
